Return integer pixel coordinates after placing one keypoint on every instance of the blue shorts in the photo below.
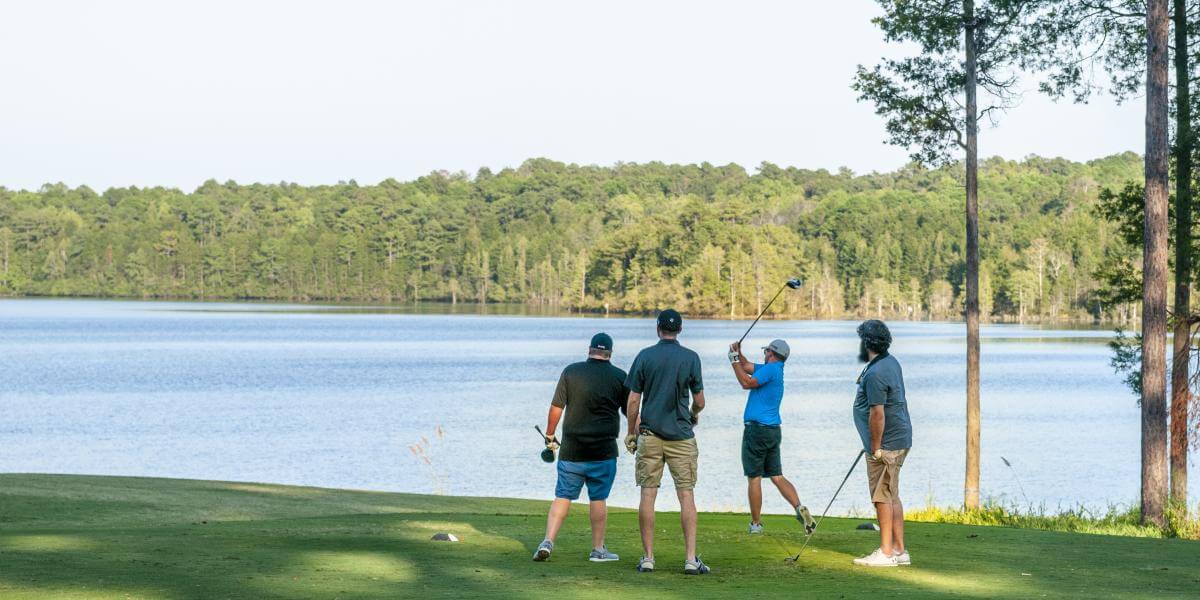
(598, 475)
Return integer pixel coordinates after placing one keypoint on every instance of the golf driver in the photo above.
(793, 559)
(793, 283)
(547, 453)
(1014, 474)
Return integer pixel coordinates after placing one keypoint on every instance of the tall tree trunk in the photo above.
(1183, 258)
(1154, 269)
(971, 483)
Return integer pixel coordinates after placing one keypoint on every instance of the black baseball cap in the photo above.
(669, 320)
(601, 341)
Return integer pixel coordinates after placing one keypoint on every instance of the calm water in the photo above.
(302, 395)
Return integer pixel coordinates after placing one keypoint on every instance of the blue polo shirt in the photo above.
(762, 406)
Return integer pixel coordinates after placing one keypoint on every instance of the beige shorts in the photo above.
(678, 455)
(883, 476)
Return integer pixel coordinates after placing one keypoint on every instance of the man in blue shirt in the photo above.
(762, 434)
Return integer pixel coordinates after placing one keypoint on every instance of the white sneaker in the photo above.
(876, 559)
(902, 558)
(756, 528)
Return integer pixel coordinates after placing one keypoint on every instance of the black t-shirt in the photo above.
(664, 374)
(592, 392)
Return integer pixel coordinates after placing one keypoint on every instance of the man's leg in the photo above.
(687, 518)
(754, 491)
(646, 520)
(787, 490)
(598, 514)
(897, 526)
(883, 512)
(558, 513)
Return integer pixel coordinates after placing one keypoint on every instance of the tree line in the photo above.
(710, 240)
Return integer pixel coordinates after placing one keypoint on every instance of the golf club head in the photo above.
(547, 455)
(795, 283)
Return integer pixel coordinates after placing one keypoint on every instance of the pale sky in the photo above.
(122, 93)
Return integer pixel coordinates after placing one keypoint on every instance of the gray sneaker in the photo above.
(543, 550)
(805, 517)
(602, 554)
(756, 527)
(902, 558)
(646, 565)
(694, 567)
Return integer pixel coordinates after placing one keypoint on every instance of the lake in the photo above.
(327, 396)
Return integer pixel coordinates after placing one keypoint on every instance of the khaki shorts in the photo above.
(883, 476)
(679, 455)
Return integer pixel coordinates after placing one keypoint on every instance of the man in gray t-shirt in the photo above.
(881, 417)
(659, 382)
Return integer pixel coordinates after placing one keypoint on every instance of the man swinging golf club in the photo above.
(762, 434)
(591, 392)
(881, 417)
(660, 433)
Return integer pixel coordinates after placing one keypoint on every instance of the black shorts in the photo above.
(760, 450)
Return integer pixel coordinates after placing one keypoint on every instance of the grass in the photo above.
(75, 537)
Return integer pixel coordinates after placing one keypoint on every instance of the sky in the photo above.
(121, 93)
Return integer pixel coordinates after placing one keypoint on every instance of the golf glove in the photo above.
(734, 357)
(631, 443)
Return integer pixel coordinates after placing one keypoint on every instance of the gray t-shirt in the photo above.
(882, 382)
(664, 374)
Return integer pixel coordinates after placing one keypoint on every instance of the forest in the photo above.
(710, 240)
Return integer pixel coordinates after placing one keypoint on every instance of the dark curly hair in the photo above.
(875, 336)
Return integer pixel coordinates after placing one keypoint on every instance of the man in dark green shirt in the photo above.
(659, 382)
(591, 393)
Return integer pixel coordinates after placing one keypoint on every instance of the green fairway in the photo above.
(113, 537)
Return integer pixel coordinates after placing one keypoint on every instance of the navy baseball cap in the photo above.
(669, 320)
(601, 341)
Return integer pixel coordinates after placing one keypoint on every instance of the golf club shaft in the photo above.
(760, 314)
(827, 506)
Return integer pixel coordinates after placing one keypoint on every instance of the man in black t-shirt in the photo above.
(591, 392)
(665, 382)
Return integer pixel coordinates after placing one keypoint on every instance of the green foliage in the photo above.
(920, 96)
(710, 240)
(1127, 359)
(1114, 521)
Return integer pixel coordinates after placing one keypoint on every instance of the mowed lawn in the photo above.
(115, 537)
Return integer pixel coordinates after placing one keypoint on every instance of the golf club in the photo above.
(793, 559)
(1014, 474)
(793, 283)
(547, 453)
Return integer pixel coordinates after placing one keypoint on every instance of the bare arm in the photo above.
(552, 419)
(747, 381)
(876, 421)
(697, 405)
(633, 413)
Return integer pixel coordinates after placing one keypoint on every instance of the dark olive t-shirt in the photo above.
(591, 392)
(664, 374)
